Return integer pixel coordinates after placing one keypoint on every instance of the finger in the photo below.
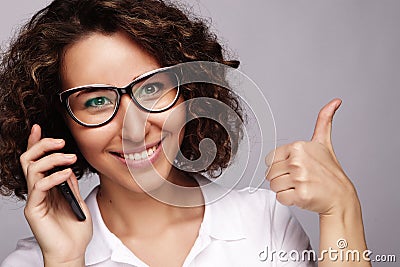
(34, 137)
(323, 126)
(38, 150)
(45, 145)
(282, 183)
(74, 185)
(40, 189)
(37, 170)
(51, 161)
(279, 154)
(286, 197)
(278, 169)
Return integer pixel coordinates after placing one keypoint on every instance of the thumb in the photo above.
(323, 126)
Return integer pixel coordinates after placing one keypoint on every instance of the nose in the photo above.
(135, 121)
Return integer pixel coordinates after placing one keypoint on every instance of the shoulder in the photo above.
(258, 198)
(261, 206)
(27, 253)
(260, 202)
(285, 231)
(250, 202)
(260, 212)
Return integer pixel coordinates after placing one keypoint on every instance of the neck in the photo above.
(128, 213)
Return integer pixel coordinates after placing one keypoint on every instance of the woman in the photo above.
(85, 76)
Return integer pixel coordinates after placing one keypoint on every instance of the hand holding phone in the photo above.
(66, 191)
(59, 233)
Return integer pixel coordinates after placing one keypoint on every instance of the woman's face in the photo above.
(116, 60)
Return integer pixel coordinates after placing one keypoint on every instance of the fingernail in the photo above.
(69, 156)
(58, 141)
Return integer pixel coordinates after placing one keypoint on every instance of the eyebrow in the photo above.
(141, 76)
(91, 89)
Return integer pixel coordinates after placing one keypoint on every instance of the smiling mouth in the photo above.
(138, 156)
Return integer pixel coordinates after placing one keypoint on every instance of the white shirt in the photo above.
(240, 229)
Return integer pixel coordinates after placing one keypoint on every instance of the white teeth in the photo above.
(142, 155)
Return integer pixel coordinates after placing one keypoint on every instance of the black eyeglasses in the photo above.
(95, 105)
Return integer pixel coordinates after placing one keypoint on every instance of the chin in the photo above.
(152, 178)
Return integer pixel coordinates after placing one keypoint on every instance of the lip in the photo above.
(137, 164)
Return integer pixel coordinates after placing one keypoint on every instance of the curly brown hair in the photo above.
(30, 76)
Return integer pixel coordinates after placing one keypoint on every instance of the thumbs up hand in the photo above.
(308, 174)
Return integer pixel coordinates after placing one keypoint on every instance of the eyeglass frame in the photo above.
(64, 95)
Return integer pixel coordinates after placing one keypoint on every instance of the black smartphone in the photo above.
(69, 196)
(72, 201)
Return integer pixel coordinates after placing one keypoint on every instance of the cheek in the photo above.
(175, 120)
(172, 124)
(90, 141)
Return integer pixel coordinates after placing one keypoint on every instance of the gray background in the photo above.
(302, 54)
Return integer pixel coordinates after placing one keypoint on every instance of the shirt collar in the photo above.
(99, 248)
(222, 221)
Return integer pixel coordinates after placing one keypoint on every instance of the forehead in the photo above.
(113, 59)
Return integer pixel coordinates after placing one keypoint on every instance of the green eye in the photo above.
(150, 90)
(97, 102)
